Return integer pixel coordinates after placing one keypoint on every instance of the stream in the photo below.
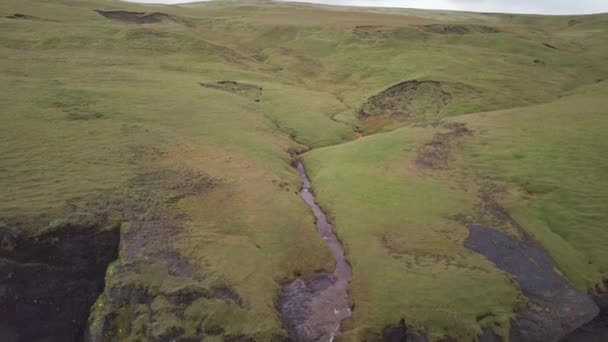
(313, 309)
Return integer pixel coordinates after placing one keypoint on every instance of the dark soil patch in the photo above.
(251, 91)
(378, 32)
(459, 29)
(556, 307)
(21, 16)
(574, 22)
(49, 282)
(550, 46)
(368, 31)
(408, 99)
(137, 17)
(435, 154)
(539, 62)
(228, 295)
(401, 333)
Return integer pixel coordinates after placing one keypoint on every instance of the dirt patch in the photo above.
(434, 154)
(550, 46)
(555, 306)
(21, 16)
(574, 22)
(137, 17)
(50, 281)
(376, 32)
(408, 99)
(539, 62)
(459, 29)
(251, 91)
(401, 333)
(368, 31)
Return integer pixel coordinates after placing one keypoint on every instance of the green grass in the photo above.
(402, 240)
(398, 222)
(89, 104)
(554, 155)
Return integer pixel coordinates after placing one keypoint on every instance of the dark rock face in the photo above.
(48, 283)
(489, 336)
(138, 307)
(597, 329)
(556, 307)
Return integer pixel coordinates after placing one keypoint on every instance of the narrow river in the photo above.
(313, 309)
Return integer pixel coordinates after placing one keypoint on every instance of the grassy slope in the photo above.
(390, 213)
(553, 155)
(405, 247)
(88, 104)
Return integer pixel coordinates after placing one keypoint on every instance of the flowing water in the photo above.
(313, 309)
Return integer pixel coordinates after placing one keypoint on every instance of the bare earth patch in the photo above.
(21, 16)
(459, 29)
(137, 17)
(434, 154)
(408, 99)
(251, 91)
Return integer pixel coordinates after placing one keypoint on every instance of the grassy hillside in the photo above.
(102, 116)
(404, 222)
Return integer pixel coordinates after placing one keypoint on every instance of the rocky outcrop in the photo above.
(555, 307)
(48, 282)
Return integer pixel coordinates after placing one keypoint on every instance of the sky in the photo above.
(509, 6)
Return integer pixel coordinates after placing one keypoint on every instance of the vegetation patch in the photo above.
(137, 17)
(251, 91)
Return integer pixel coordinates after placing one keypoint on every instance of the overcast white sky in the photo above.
(511, 6)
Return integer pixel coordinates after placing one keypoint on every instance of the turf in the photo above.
(89, 104)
